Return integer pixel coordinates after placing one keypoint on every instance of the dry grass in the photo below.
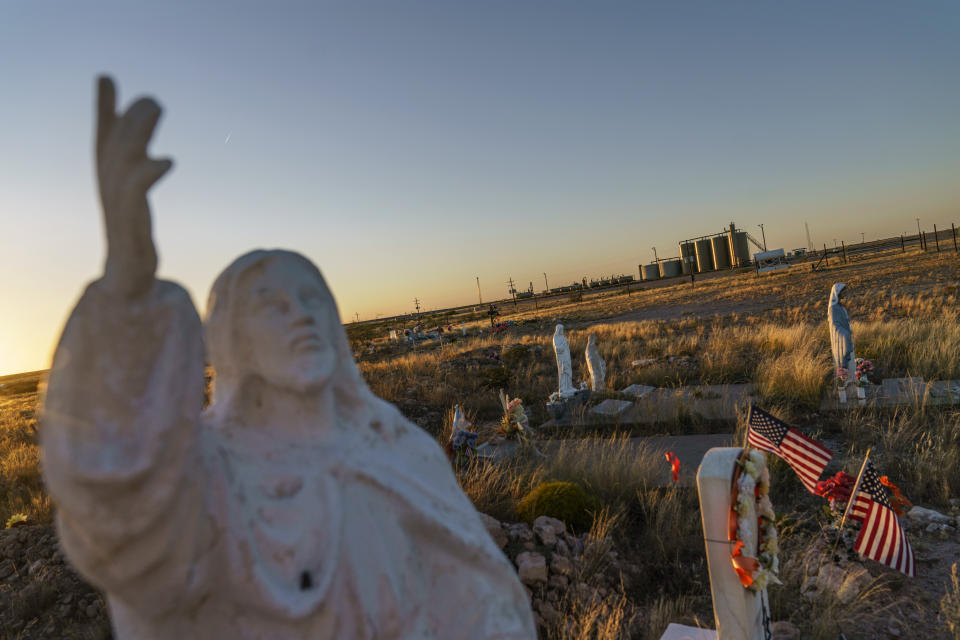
(770, 331)
(790, 364)
(613, 469)
(917, 446)
(950, 604)
(21, 487)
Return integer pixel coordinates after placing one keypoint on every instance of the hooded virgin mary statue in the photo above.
(298, 504)
(841, 337)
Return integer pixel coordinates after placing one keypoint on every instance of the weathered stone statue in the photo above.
(595, 365)
(298, 505)
(841, 338)
(564, 367)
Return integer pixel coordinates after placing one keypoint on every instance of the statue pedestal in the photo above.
(559, 407)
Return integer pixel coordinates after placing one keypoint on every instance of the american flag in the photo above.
(881, 536)
(807, 457)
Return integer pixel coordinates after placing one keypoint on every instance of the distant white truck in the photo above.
(772, 260)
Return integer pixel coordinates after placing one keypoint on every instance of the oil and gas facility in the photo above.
(728, 249)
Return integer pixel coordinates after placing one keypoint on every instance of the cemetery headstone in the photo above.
(611, 408)
(902, 390)
(637, 390)
(298, 505)
(738, 611)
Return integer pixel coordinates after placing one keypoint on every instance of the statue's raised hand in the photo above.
(126, 173)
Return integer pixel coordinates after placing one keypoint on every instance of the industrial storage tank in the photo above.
(670, 268)
(651, 271)
(721, 252)
(739, 249)
(704, 255)
(688, 257)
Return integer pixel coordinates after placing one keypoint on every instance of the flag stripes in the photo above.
(883, 539)
(807, 457)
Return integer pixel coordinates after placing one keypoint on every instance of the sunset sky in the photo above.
(409, 147)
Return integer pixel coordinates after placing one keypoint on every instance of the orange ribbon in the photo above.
(899, 500)
(743, 565)
(674, 465)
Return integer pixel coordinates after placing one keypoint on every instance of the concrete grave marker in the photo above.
(903, 389)
(610, 408)
(738, 611)
(637, 390)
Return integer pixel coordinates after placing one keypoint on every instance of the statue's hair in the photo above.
(232, 362)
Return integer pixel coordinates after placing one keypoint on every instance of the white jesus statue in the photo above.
(298, 505)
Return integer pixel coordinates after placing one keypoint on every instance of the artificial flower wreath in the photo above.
(754, 559)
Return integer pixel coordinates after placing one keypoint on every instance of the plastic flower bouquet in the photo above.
(843, 377)
(837, 490)
(514, 425)
(865, 371)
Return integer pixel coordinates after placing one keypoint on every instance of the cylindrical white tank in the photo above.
(670, 269)
(651, 271)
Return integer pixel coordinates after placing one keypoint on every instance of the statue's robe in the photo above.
(199, 529)
(841, 338)
(564, 365)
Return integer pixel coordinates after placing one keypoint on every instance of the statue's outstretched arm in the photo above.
(120, 420)
(125, 174)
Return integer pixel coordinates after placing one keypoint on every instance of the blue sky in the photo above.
(408, 147)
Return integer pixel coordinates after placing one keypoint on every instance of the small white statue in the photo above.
(298, 505)
(564, 367)
(595, 365)
(841, 338)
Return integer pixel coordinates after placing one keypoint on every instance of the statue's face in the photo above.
(287, 325)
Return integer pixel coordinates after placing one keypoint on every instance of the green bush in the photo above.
(566, 501)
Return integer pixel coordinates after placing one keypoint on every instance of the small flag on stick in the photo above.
(807, 457)
(881, 538)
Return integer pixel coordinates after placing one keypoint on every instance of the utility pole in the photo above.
(357, 315)
(513, 292)
(479, 295)
(545, 284)
(862, 239)
(416, 303)
(809, 241)
(764, 235)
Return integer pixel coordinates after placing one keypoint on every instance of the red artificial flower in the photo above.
(674, 465)
(836, 489)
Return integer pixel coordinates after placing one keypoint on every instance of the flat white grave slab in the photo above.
(903, 389)
(611, 407)
(683, 632)
(637, 390)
